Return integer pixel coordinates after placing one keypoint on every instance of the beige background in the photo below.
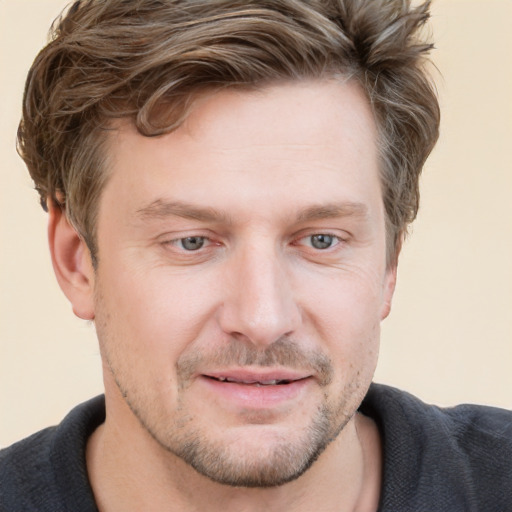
(449, 338)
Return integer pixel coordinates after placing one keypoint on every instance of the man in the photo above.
(228, 186)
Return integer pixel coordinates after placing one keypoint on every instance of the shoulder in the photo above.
(25, 471)
(463, 421)
(47, 471)
(451, 459)
(484, 436)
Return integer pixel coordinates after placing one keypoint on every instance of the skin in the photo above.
(248, 244)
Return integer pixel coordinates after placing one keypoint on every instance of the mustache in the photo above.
(284, 352)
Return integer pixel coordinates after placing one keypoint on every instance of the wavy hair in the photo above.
(111, 59)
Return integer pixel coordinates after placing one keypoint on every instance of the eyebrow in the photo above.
(334, 210)
(161, 209)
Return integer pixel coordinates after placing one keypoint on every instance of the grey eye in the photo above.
(322, 241)
(192, 243)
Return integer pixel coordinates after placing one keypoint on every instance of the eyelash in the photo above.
(334, 240)
(177, 242)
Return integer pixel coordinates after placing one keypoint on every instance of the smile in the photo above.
(272, 382)
(256, 390)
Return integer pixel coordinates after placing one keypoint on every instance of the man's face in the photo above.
(242, 278)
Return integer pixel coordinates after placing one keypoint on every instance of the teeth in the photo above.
(272, 382)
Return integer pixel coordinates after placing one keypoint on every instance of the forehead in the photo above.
(248, 147)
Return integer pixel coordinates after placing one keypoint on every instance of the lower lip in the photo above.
(256, 397)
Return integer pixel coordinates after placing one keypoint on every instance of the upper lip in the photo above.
(247, 376)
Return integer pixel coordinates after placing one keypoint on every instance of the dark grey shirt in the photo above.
(435, 460)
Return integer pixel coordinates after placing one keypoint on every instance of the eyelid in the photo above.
(175, 241)
(339, 236)
(180, 234)
(336, 241)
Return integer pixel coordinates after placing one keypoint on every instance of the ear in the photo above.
(388, 290)
(390, 279)
(71, 262)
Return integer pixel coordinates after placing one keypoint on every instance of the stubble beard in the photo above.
(225, 461)
(283, 461)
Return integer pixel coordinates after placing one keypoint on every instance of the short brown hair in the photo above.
(110, 59)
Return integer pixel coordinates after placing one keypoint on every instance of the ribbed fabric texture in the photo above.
(442, 460)
(435, 460)
(46, 472)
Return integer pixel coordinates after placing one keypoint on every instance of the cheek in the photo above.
(345, 316)
(152, 309)
(349, 301)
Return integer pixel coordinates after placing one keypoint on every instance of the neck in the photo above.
(129, 471)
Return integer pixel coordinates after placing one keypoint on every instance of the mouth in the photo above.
(255, 382)
(256, 389)
(257, 377)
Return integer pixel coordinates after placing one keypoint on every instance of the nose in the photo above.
(259, 304)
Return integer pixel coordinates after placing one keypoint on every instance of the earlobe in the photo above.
(71, 262)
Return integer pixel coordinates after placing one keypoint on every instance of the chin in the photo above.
(258, 455)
